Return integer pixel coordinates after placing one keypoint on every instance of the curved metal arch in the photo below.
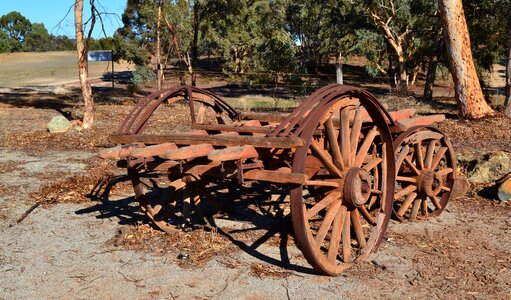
(295, 123)
(137, 119)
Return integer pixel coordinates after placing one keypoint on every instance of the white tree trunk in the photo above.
(82, 50)
(339, 75)
(469, 95)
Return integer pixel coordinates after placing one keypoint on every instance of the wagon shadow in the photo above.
(265, 226)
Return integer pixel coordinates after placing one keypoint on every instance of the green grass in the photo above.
(263, 103)
(45, 68)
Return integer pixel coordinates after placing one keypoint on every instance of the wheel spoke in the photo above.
(436, 202)
(355, 131)
(357, 227)
(424, 207)
(419, 159)
(404, 206)
(335, 238)
(324, 157)
(327, 222)
(376, 192)
(445, 188)
(407, 190)
(200, 112)
(406, 179)
(444, 172)
(334, 145)
(359, 159)
(402, 155)
(438, 157)
(415, 209)
(412, 166)
(321, 183)
(345, 136)
(346, 239)
(367, 215)
(322, 204)
(429, 154)
(372, 164)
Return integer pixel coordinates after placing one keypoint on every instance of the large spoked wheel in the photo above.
(342, 212)
(205, 109)
(426, 171)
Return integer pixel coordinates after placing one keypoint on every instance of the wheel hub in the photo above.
(357, 187)
(429, 183)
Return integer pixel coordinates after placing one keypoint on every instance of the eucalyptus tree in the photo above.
(468, 90)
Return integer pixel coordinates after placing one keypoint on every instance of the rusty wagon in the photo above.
(349, 164)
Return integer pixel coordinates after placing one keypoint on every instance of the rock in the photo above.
(504, 188)
(60, 90)
(489, 168)
(460, 188)
(59, 124)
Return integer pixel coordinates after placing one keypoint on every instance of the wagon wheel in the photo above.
(205, 108)
(426, 170)
(341, 213)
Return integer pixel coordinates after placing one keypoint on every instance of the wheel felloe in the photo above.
(426, 171)
(335, 226)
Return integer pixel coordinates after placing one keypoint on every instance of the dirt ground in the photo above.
(81, 244)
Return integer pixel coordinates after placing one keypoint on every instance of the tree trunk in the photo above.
(194, 48)
(158, 48)
(469, 95)
(82, 50)
(339, 75)
(403, 82)
(431, 76)
(507, 103)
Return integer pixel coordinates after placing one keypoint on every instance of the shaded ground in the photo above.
(90, 243)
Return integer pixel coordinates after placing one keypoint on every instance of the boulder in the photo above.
(59, 124)
(504, 188)
(489, 168)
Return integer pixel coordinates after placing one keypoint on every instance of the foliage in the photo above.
(488, 23)
(37, 39)
(5, 45)
(18, 34)
(141, 76)
(15, 26)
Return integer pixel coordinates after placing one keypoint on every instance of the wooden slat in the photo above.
(188, 152)
(275, 176)
(233, 153)
(404, 124)
(153, 150)
(215, 140)
(118, 151)
(199, 170)
(234, 128)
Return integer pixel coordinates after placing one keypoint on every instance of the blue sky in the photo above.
(50, 12)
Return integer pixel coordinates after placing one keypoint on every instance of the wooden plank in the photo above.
(188, 152)
(215, 140)
(234, 127)
(233, 153)
(404, 124)
(153, 150)
(118, 151)
(199, 170)
(275, 176)
(395, 115)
